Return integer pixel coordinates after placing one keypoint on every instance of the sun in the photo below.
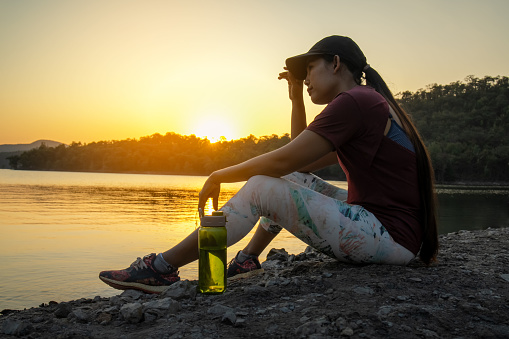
(214, 129)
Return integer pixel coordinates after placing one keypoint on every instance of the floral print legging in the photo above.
(315, 212)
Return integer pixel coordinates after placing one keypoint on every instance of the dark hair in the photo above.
(425, 173)
(356, 72)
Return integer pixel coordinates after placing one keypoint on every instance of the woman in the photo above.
(390, 211)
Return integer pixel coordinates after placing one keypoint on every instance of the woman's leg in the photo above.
(267, 230)
(348, 233)
(184, 252)
(261, 239)
(317, 184)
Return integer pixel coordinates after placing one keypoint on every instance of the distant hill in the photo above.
(8, 150)
(27, 147)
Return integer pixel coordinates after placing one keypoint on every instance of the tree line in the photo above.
(464, 124)
(170, 153)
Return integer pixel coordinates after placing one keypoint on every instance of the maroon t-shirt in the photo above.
(381, 174)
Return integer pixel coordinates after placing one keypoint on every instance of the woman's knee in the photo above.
(261, 182)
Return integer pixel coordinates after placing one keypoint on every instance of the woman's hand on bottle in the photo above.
(295, 86)
(210, 189)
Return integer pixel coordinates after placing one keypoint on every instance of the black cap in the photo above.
(342, 46)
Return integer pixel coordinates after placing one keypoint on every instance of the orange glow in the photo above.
(173, 66)
(214, 129)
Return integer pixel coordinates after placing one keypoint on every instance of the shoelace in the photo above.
(139, 263)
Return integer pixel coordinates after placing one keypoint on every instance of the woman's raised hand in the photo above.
(295, 86)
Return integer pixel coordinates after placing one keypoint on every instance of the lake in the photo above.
(58, 230)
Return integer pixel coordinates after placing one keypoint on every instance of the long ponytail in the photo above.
(426, 176)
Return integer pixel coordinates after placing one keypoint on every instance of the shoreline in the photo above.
(465, 294)
(478, 184)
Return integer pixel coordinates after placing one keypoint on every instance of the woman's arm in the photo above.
(327, 160)
(298, 122)
(295, 90)
(307, 148)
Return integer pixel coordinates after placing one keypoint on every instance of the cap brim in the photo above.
(297, 65)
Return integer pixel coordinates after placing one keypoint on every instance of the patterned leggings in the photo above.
(315, 212)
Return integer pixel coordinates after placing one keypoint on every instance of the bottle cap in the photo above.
(217, 219)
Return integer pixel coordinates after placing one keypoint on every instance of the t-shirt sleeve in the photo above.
(339, 122)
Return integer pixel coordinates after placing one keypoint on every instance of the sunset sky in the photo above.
(91, 70)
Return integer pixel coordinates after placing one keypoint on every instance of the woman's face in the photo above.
(321, 81)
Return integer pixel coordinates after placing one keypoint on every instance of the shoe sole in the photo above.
(121, 285)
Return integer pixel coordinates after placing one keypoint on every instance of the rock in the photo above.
(104, 318)
(341, 323)
(16, 327)
(63, 310)
(318, 326)
(38, 319)
(271, 328)
(115, 300)
(255, 289)
(272, 265)
(132, 313)
(384, 311)
(219, 310)
(505, 277)
(406, 328)
(300, 257)
(80, 315)
(112, 309)
(260, 311)
(239, 322)
(347, 332)
(152, 315)
(363, 290)
(277, 254)
(428, 333)
(272, 282)
(182, 289)
(167, 304)
(132, 294)
(229, 317)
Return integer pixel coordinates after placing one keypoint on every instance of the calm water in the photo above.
(59, 229)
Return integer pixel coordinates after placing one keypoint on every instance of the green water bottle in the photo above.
(212, 245)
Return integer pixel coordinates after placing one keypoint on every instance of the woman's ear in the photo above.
(336, 63)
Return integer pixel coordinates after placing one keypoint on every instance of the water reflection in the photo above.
(472, 208)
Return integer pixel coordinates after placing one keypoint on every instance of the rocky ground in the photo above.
(464, 295)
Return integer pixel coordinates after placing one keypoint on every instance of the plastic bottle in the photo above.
(212, 245)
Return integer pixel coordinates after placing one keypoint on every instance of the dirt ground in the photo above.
(464, 295)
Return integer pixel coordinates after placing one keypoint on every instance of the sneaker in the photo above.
(141, 275)
(235, 267)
